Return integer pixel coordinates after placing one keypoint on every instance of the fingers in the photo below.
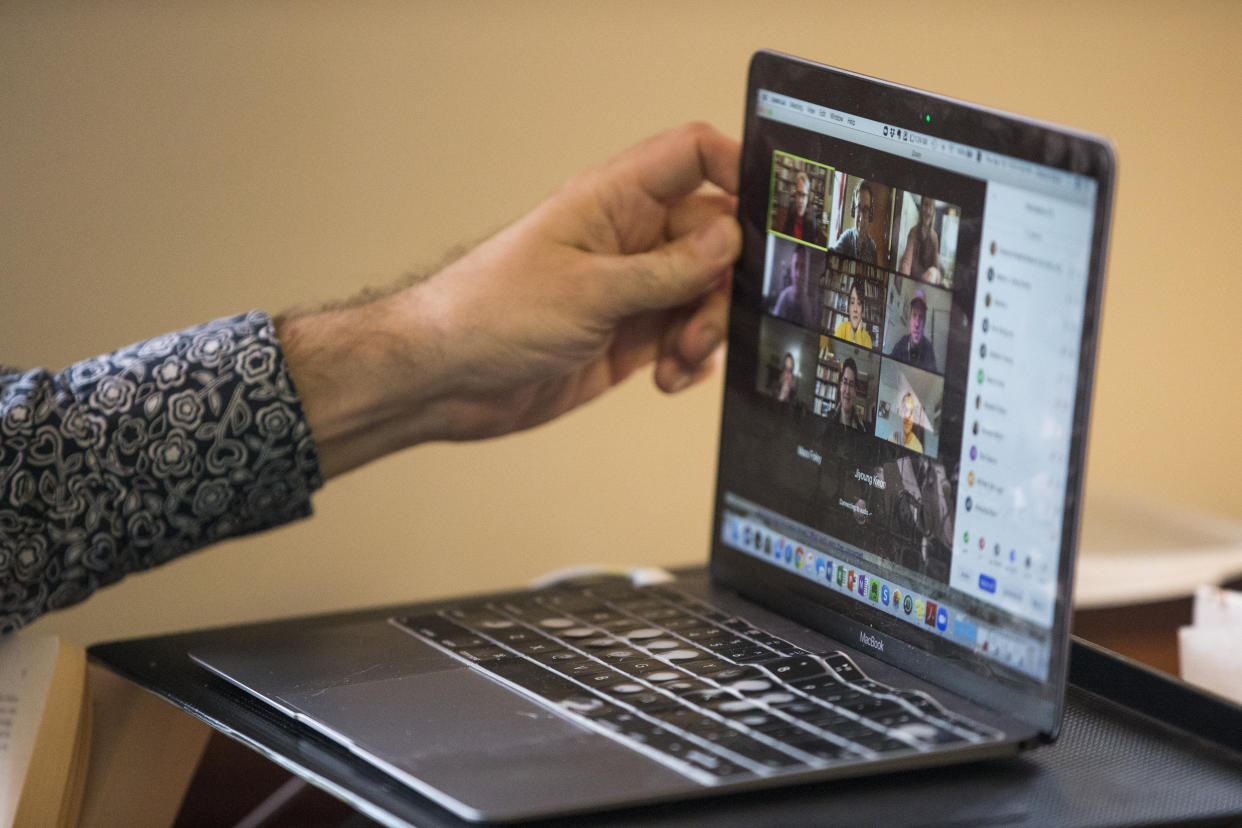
(690, 345)
(674, 163)
(696, 210)
(673, 273)
(672, 379)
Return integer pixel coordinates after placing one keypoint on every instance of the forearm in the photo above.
(127, 460)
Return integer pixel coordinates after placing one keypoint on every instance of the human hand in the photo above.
(626, 264)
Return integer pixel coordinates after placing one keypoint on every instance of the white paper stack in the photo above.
(1211, 647)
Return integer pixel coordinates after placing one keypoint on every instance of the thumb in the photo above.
(677, 271)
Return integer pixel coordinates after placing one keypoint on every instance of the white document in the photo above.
(1209, 649)
(27, 664)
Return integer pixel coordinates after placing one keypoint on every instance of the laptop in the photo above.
(913, 331)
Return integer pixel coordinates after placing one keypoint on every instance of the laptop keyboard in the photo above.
(701, 691)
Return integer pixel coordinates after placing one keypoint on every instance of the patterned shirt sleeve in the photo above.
(125, 461)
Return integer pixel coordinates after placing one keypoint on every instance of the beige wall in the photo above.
(161, 166)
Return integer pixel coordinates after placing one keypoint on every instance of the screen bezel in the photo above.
(1034, 702)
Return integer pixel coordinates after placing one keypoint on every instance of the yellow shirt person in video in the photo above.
(852, 329)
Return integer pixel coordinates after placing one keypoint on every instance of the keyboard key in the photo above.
(638, 606)
(588, 706)
(643, 667)
(483, 654)
(844, 667)
(560, 658)
(626, 688)
(682, 654)
(480, 617)
(800, 708)
(537, 647)
(524, 608)
(783, 731)
(827, 719)
(603, 678)
(573, 604)
(517, 635)
(621, 625)
(870, 706)
(684, 622)
(622, 654)
(714, 669)
(694, 722)
(682, 686)
(661, 676)
(927, 733)
(651, 702)
(532, 677)
(822, 748)
(792, 668)
(856, 731)
(747, 654)
(599, 616)
(441, 630)
(760, 753)
(579, 669)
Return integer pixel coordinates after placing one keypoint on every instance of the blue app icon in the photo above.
(965, 630)
(942, 619)
(884, 595)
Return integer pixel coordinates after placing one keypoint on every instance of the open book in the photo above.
(44, 730)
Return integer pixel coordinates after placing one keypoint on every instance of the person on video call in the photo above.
(856, 243)
(847, 408)
(795, 303)
(915, 347)
(852, 328)
(127, 460)
(787, 384)
(906, 437)
(922, 248)
(915, 507)
(800, 221)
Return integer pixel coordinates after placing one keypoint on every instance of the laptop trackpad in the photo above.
(454, 735)
(479, 748)
(407, 716)
(373, 685)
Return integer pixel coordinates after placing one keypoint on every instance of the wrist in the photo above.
(367, 378)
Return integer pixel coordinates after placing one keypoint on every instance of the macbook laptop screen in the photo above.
(905, 397)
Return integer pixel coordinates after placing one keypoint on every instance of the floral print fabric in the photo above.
(128, 460)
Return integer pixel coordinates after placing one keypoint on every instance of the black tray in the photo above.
(1137, 748)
